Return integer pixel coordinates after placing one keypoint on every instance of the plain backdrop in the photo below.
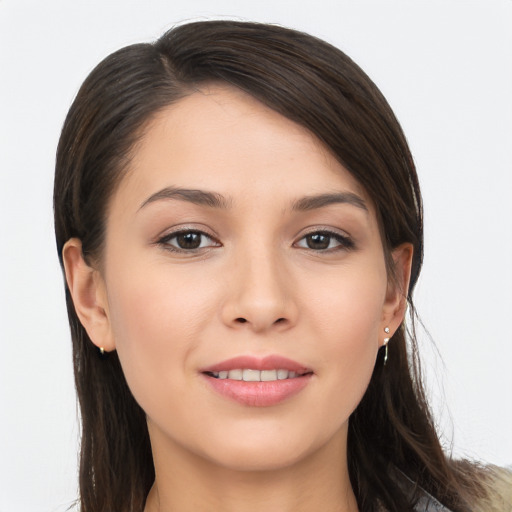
(445, 67)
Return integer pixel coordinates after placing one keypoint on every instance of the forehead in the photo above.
(220, 138)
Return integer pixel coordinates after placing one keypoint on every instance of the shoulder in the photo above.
(495, 490)
(499, 489)
(497, 485)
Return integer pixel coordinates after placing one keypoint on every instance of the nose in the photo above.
(259, 294)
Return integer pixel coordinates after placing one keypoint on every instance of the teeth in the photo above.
(235, 374)
(249, 375)
(282, 374)
(267, 375)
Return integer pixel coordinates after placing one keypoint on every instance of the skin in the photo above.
(170, 312)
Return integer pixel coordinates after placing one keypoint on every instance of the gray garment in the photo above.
(426, 503)
(429, 504)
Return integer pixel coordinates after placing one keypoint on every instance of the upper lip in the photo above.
(271, 362)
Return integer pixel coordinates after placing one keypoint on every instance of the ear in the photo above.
(395, 304)
(88, 292)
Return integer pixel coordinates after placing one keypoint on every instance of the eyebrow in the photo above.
(321, 200)
(195, 196)
(216, 200)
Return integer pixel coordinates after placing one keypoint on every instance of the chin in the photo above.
(268, 451)
(251, 460)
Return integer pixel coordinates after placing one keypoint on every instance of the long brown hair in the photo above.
(314, 84)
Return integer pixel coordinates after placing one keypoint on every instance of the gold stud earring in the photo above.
(386, 341)
(102, 353)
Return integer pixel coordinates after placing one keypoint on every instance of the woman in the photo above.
(240, 224)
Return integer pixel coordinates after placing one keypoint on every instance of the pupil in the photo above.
(318, 241)
(189, 240)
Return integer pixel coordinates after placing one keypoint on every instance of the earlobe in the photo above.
(398, 286)
(87, 289)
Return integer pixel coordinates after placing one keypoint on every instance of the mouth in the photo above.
(252, 375)
(258, 382)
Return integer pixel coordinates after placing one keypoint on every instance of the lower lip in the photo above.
(258, 394)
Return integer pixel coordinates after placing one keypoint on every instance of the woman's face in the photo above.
(236, 242)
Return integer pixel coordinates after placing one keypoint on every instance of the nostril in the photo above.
(241, 320)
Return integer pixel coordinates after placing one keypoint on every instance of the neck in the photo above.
(188, 483)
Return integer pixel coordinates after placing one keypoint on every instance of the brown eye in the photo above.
(190, 240)
(318, 241)
(325, 241)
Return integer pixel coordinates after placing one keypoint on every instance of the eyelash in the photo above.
(166, 239)
(344, 242)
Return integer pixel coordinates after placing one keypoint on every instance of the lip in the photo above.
(256, 363)
(258, 394)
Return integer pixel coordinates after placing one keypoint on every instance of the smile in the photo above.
(250, 375)
(256, 381)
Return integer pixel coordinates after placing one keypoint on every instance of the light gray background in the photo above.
(446, 68)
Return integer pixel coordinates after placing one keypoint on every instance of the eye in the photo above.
(325, 241)
(187, 241)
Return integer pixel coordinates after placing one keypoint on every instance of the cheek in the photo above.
(347, 319)
(346, 306)
(157, 320)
